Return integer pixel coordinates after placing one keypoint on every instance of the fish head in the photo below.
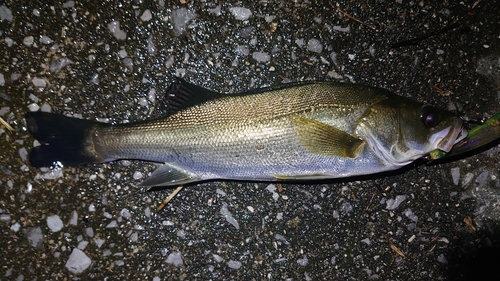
(400, 130)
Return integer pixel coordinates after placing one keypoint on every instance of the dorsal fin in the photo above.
(182, 94)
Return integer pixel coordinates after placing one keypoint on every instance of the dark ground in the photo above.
(344, 230)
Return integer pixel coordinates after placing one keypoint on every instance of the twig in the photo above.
(6, 125)
(351, 17)
(165, 202)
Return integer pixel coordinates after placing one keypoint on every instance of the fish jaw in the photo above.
(448, 137)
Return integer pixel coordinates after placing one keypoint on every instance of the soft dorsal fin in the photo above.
(182, 94)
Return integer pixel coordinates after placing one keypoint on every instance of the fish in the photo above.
(292, 132)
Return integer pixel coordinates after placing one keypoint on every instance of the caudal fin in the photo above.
(63, 139)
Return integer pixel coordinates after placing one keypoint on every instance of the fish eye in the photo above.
(429, 116)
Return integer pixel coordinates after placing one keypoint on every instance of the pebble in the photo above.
(455, 175)
(314, 45)
(303, 261)
(5, 217)
(241, 13)
(74, 218)
(175, 259)
(125, 213)
(114, 27)
(180, 18)
(99, 242)
(35, 236)
(89, 231)
(39, 82)
(82, 245)
(78, 261)
(234, 264)
(112, 224)
(392, 204)
(15, 227)
(5, 14)
(54, 223)
(146, 15)
(228, 216)
(261, 56)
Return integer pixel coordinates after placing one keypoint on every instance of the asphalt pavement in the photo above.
(112, 60)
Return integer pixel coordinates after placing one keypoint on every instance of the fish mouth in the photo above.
(450, 136)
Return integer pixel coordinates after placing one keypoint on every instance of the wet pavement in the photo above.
(111, 61)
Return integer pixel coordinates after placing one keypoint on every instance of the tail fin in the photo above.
(63, 139)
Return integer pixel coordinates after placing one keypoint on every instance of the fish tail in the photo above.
(63, 139)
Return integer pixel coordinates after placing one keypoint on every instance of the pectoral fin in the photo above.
(167, 175)
(323, 139)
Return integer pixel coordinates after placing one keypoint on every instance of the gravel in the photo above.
(113, 62)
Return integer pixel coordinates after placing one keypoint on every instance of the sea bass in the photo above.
(300, 131)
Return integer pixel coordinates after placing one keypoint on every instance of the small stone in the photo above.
(240, 13)
(35, 237)
(78, 261)
(39, 82)
(54, 223)
(175, 259)
(234, 264)
(146, 16)
(314, 45)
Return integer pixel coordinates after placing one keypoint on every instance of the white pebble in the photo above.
(234, 264)
(39, 82)
(28, 41)
(99, 242)
(303, 262)
(137, 175)
(69, 4)
(54, 223)
(89, 231)
(112, 224)
(15, 227)
(46, 108)
(5, 218)
(35, 237)
(229, 218)
(175, 259)
(91, 207)
(74, 218)
(82, 245)
(261, 56)
(78, 261)
(394, 203)
(455, 175)
(2, 80)
(114, 27)
(125, 213)
(5, 14)
(180, 18)
(339, 28)
(146, 16)
(240, 13)
(314, 45)
(46, 40)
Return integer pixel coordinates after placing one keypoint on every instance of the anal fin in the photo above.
(323, 139)
(168, 175)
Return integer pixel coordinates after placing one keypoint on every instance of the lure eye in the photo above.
(429, 116)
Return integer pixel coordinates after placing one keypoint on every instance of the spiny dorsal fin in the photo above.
(182, 94)
(322, 139)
